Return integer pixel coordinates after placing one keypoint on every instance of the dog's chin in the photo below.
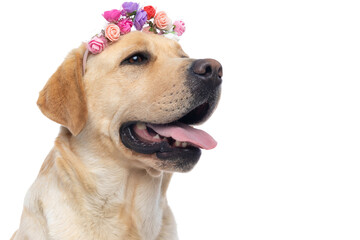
(160, 149)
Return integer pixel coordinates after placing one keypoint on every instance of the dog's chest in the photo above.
(115, 226)
(134, 215)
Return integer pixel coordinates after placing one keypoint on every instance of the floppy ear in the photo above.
(63, 97)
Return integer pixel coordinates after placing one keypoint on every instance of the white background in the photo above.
(288, 125)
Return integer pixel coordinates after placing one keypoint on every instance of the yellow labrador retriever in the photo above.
(125, 129)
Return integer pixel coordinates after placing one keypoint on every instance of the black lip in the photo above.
(191, 154)
(163, 150)
(129, 139)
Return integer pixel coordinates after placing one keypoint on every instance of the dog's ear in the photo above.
(63, 98)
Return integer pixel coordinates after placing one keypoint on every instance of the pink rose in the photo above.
(97, 45)
(179, 28)
(125, 25)
(162, 21)
(112, 32)
(112, 15)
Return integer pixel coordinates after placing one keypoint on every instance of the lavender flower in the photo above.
(140, 19)
(130, 7)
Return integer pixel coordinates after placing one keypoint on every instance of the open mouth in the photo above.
(171, 141)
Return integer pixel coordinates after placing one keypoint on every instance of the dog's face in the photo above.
(141, 93)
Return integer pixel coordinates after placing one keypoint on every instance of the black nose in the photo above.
(209, 71)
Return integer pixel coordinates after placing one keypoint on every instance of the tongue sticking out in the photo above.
(185, 133)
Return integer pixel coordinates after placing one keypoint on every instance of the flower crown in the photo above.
(144, 19)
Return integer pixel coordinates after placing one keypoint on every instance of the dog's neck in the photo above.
(130, 198)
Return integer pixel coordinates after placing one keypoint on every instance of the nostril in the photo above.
(208, 71)
(220, 72)
(203, 68)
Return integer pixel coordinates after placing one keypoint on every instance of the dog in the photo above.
(125, 130)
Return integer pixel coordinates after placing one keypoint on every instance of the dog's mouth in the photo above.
(171, 141)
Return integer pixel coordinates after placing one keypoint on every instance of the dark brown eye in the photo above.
(135, 59)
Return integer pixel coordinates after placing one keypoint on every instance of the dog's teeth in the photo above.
(141, 126)
(157, 136)
(177, 144)
(184, 144)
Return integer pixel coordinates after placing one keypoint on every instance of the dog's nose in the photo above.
(208, 70)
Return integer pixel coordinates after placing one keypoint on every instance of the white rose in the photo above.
(172, 36)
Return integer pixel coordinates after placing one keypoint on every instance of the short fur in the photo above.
(90, 186)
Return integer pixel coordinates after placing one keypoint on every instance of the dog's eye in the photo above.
(137, 58)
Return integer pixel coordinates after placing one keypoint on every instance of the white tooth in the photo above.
(141, 126)
(184, 144)
(177, 143)
(157, 136)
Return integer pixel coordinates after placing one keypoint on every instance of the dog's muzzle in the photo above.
(176, 140)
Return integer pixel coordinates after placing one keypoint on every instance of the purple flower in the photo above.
(112, 15)
(130, 7)
(140, 19)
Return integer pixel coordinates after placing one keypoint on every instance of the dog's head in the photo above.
(138, 97)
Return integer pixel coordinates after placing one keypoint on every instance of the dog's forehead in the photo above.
(147, 41)
(132, 43)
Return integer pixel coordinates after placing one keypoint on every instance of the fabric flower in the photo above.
(150, 10)
(112, 32)
(130, 7)
(97, 45)
(140, 19)
(162, 21)
(125, 25)
(179, 27)
(172, 36)
(112, 15)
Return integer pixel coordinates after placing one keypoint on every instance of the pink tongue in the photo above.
(185, 133)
